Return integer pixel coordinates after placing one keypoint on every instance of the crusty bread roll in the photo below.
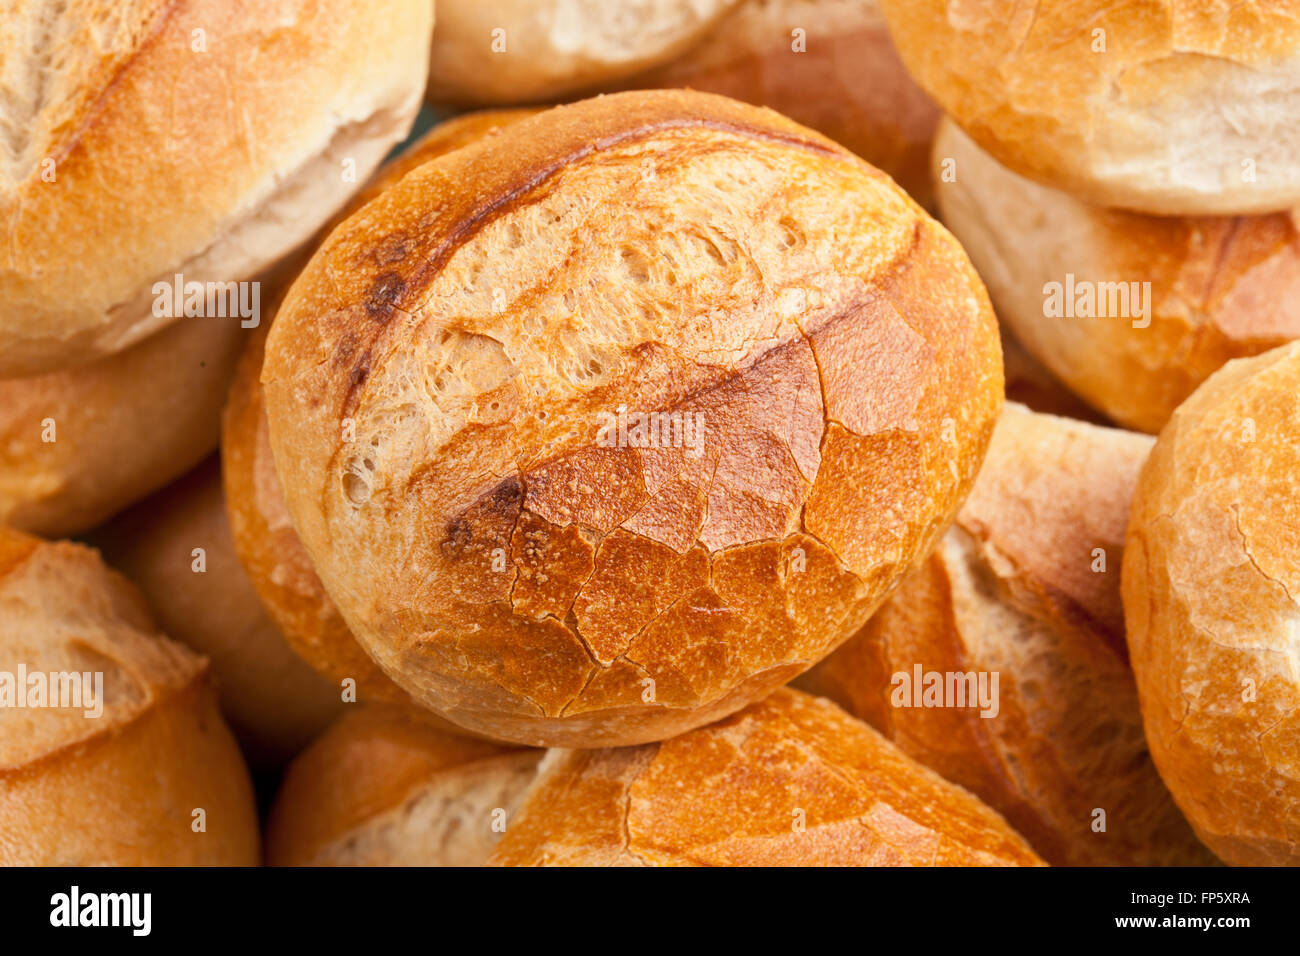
(1219, 288)
(828, 64)
(1162, 107)
(789, 781)
(79, 445)
(1211, 576)
(386, 786)
(275, 702)
(103, 191)
(118, 782)
(1025, 585)
(263, 534)
(497, 52)
(449, 381)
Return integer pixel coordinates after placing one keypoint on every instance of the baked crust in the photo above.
(118, 789)
(115, 95)
(1210, 578)
(438, 374)
(846, 81)
(1016, 588)
(502, 52)
(275, 703)
(1169, 108)
(789, 781)
(387, 786)
(263, 534)
(1221, 288)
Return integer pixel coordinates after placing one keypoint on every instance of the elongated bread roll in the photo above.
(789, 781)
(603, 427)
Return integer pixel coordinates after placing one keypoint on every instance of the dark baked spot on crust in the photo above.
(499, 507)
(383, 295)
(360, 372)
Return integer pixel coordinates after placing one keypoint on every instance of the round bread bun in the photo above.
(263, 534)
(1219, 288)
(789, 781)
(498, 52)
(828, 64)
(1164, 108)
(275, 703)
(444, 384)
(104, 191)
(116, 783)
(78, 446)
(1210, 583)
(385, 786)
(1025, 585)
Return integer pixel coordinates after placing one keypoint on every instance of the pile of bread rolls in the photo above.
(631, 470)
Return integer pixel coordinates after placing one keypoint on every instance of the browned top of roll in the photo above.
(439, 375)
(789, 781)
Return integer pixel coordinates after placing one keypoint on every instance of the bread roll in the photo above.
(1210, 579)
(828, 64)
(1161, 107)
(385, 786)
(1025, 586)
(79, 445)
(263, 534)
(275, 702)
(448, 382)
(789, 781)
(104, 191)
(497, 52)
(1067, 278)
(117, 781)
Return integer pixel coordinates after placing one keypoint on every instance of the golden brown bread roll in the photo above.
(789, 781)
(385, 786)
(448, 382)
(1024, 589)
(1067, 278)
(497, 52)
(828, 64)
(264, 537)
(103, 192)
(275, 702)
(1210, 583)
(77, 446)
(116, 780)
(1171, 108)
